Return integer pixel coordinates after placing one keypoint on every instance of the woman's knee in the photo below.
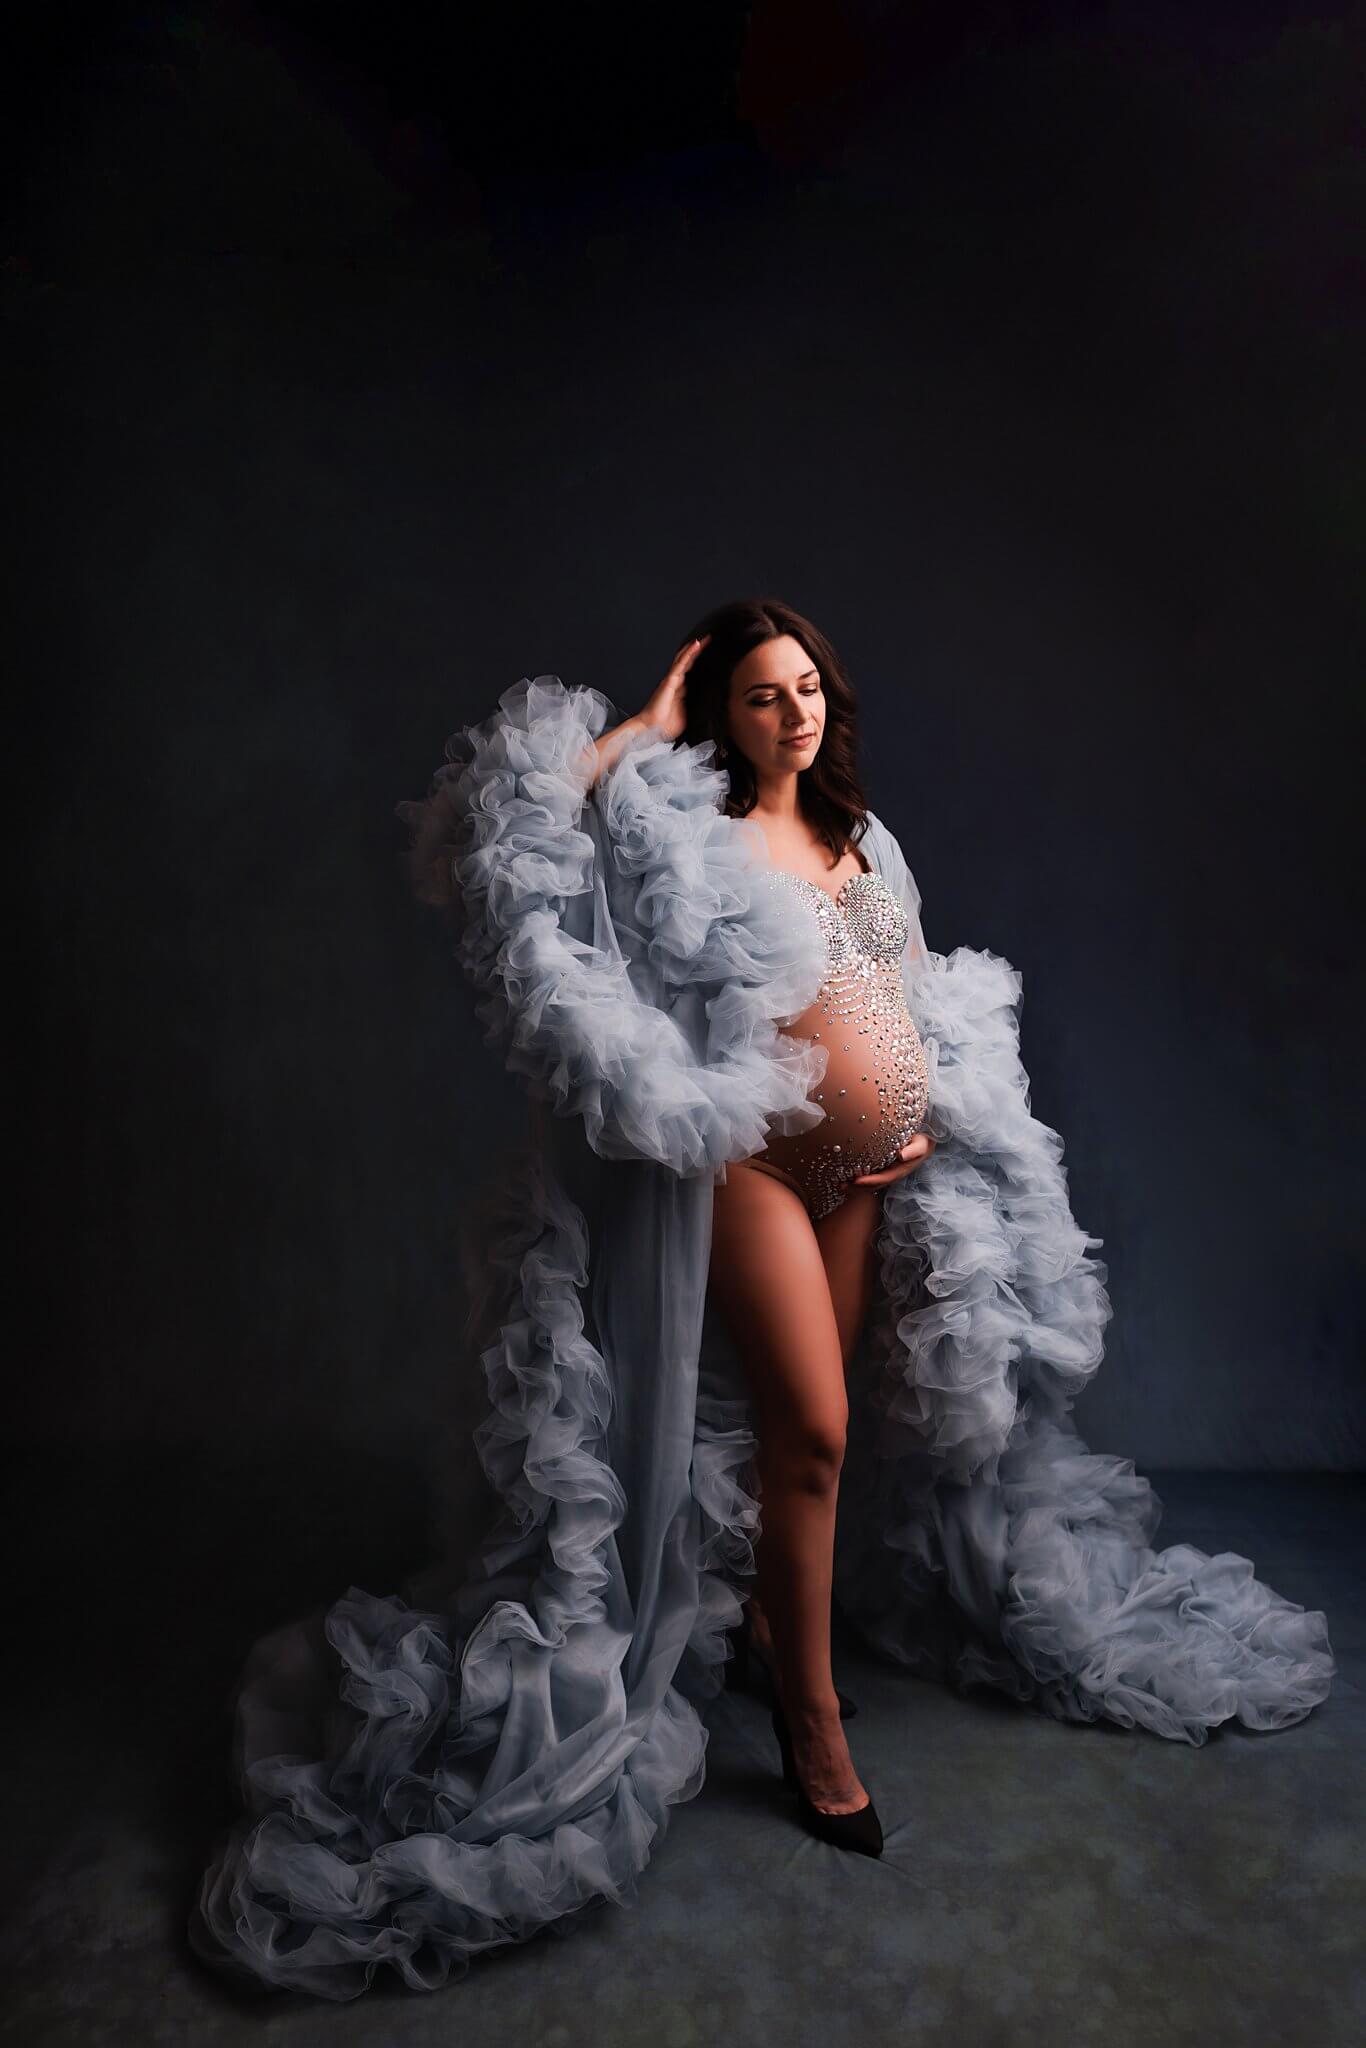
(807, 1453)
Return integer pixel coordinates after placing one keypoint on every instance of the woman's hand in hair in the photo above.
(663, 716)
(666, 712)
(916, 1150)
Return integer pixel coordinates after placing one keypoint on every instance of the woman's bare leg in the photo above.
(768, 1279)
(847, 1242)
(847, 1238)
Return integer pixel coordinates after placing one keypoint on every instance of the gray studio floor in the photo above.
(1040, 1881)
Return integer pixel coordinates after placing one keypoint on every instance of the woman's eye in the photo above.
(767, 703)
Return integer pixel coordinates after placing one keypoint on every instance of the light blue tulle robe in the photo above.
(495, 1751)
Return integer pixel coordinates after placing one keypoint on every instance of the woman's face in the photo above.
(776, 707)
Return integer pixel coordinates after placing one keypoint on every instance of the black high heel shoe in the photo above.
(746, 1671)
(861, 1831)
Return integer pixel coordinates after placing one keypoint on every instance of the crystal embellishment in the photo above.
(865, 931)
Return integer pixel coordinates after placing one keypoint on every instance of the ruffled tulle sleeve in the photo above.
(429, 1774)
(990, 1284)
(625, 955)
(1015, 1299)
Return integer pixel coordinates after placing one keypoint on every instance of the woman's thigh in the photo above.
(768, 1280)
(847, 1238)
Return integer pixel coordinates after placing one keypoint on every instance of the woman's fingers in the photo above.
(913, 1153)
(687, 655)
(672, 691)
(665, 711)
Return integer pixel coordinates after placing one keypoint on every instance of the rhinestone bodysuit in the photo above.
(875, 1091)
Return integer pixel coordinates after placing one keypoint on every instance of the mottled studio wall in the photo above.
(1027, 366)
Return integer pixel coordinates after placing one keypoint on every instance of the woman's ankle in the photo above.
(811, 1706)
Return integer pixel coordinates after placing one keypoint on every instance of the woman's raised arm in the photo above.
(663, 716)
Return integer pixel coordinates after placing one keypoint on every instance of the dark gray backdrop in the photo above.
(358, 378)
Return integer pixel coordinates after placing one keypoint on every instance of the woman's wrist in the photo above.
(610, 745)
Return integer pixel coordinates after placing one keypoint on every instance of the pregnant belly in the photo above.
(874, 1094)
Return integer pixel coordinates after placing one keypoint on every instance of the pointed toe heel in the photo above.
(860, 1831)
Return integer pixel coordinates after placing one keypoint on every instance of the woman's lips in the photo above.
(802, 739)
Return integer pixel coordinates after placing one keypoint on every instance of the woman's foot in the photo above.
(820, 1753)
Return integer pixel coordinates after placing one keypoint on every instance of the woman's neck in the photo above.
(776, 799)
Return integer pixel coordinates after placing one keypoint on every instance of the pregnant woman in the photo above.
(794, 1225)
(779, 1304)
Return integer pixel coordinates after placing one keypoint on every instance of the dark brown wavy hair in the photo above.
(829, 791)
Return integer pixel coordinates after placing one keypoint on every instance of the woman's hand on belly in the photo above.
(912, 1152)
